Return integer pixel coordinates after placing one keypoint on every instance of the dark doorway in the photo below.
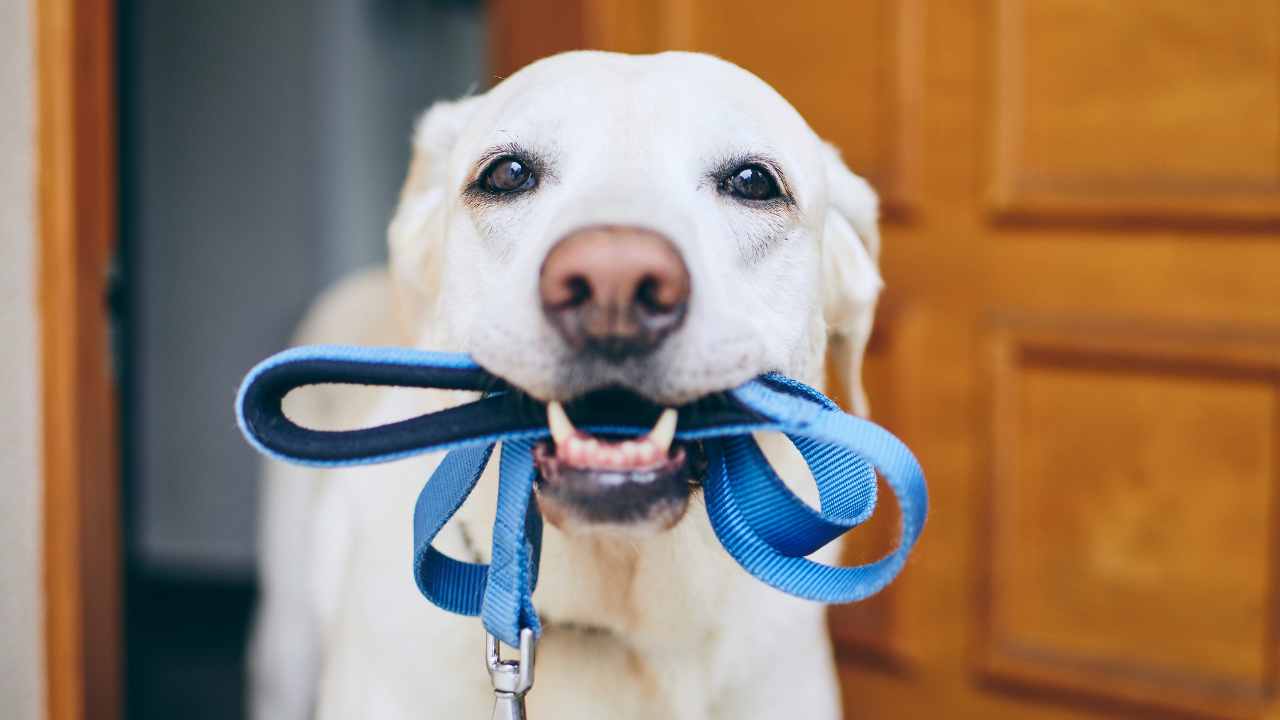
(262, 146)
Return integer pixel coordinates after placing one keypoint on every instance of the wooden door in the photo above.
(1080, 338)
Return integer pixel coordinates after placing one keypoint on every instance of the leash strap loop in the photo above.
(761, 523)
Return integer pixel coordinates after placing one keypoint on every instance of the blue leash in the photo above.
(759, 521)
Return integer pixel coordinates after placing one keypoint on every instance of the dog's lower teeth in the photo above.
(583, 451)
(579, 449)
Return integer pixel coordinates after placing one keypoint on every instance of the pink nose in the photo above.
(616, 292)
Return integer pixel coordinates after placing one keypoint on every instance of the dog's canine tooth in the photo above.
(664, 431)
(558, 421)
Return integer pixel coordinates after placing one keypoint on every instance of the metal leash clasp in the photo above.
(511, 678)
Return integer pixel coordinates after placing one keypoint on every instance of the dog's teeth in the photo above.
(574, 450)
(612, 458)
(558, 421)
(584, 451)
(664, 431)
(649, 454)
(594, 456)
(630, 450)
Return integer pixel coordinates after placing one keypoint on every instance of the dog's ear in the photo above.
(417, 229)
(850, 275)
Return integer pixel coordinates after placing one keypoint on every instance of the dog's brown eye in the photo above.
(508, 175)
(751, 182)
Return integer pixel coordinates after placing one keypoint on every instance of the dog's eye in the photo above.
(751, 182)
(508, 175)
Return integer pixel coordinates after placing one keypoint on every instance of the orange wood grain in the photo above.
(1185, 125)
(1115, 538)
(75, 45)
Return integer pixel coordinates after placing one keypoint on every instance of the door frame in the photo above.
(77, 211)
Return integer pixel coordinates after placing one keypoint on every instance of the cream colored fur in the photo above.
(679, 630)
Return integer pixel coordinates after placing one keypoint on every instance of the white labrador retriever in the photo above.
(665, 225)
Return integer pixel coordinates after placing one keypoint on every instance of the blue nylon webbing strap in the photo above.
(759, 521)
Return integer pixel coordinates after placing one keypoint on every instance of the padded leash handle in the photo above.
(498, 415)
(260, 411)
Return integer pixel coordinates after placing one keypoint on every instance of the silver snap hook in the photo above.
(511, 678)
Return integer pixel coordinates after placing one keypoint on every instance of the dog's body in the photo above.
(640, 623)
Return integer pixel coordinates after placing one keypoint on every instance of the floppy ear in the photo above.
(850, 275)
(416, 234)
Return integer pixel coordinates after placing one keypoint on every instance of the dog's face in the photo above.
(632, 229)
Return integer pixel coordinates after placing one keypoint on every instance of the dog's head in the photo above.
(634, 230)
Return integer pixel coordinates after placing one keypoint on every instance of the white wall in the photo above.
(21, 652)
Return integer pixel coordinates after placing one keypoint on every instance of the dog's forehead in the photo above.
(665, 97)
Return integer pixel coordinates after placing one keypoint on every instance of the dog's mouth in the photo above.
(606, 480)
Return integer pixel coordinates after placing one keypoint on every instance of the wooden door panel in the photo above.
(1165, 107)
(873, 62)
(1132, 511)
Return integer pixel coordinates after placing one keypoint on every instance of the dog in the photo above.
(663, 226)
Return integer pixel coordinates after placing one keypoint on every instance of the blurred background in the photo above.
(1080, 335)
(263, 145)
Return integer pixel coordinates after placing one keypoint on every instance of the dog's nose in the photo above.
(614, 291)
